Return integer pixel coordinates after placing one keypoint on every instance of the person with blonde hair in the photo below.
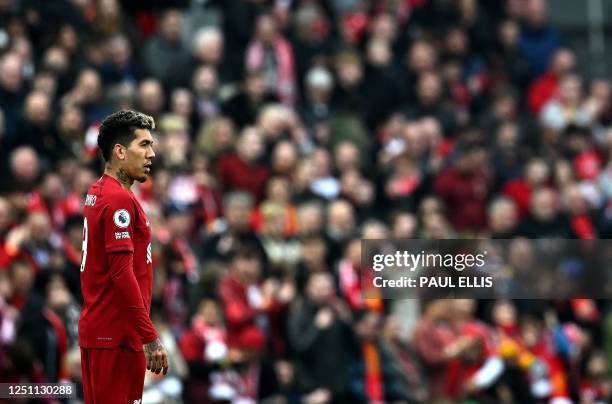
(215, 137)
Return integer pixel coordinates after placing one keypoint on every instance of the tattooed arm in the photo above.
(157, 357)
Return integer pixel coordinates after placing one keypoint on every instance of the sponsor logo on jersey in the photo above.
(121, 217)
(136, 402)
(121, 235)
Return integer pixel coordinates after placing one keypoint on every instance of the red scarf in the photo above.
(285, 88)
(188, 258)
(62, 340)
(73, 255)
(583, 227)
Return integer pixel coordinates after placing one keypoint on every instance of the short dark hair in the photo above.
(248, 251)
(119, 128)
(73, 221)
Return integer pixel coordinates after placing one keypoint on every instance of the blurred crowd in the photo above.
(287, 131)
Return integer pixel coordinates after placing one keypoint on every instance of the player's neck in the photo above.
(120, 175)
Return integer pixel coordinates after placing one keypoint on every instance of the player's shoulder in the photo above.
(114, 196)
(119, 198)
(110, 187)
(119, 208)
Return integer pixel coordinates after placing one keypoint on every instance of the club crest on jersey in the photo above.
(121, 217)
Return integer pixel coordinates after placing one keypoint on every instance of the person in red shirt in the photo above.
(244, 170)
(546, 86)
(537, 176)
(479, 366)
(436, 346)
(117, 270)
(464, 187)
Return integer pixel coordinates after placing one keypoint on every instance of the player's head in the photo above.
(126, 142)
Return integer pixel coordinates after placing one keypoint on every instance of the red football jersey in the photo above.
(114, 221)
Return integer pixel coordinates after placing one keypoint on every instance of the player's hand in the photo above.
(157, 357)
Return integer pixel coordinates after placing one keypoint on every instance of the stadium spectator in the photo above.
(373, 373)
(165, 57)
(318, 334)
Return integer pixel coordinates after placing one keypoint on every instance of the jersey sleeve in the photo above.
(124, 280)
(119, 218)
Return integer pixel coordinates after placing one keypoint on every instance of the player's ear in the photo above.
(119, 151)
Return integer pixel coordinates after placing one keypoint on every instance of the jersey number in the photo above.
(84, 245)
